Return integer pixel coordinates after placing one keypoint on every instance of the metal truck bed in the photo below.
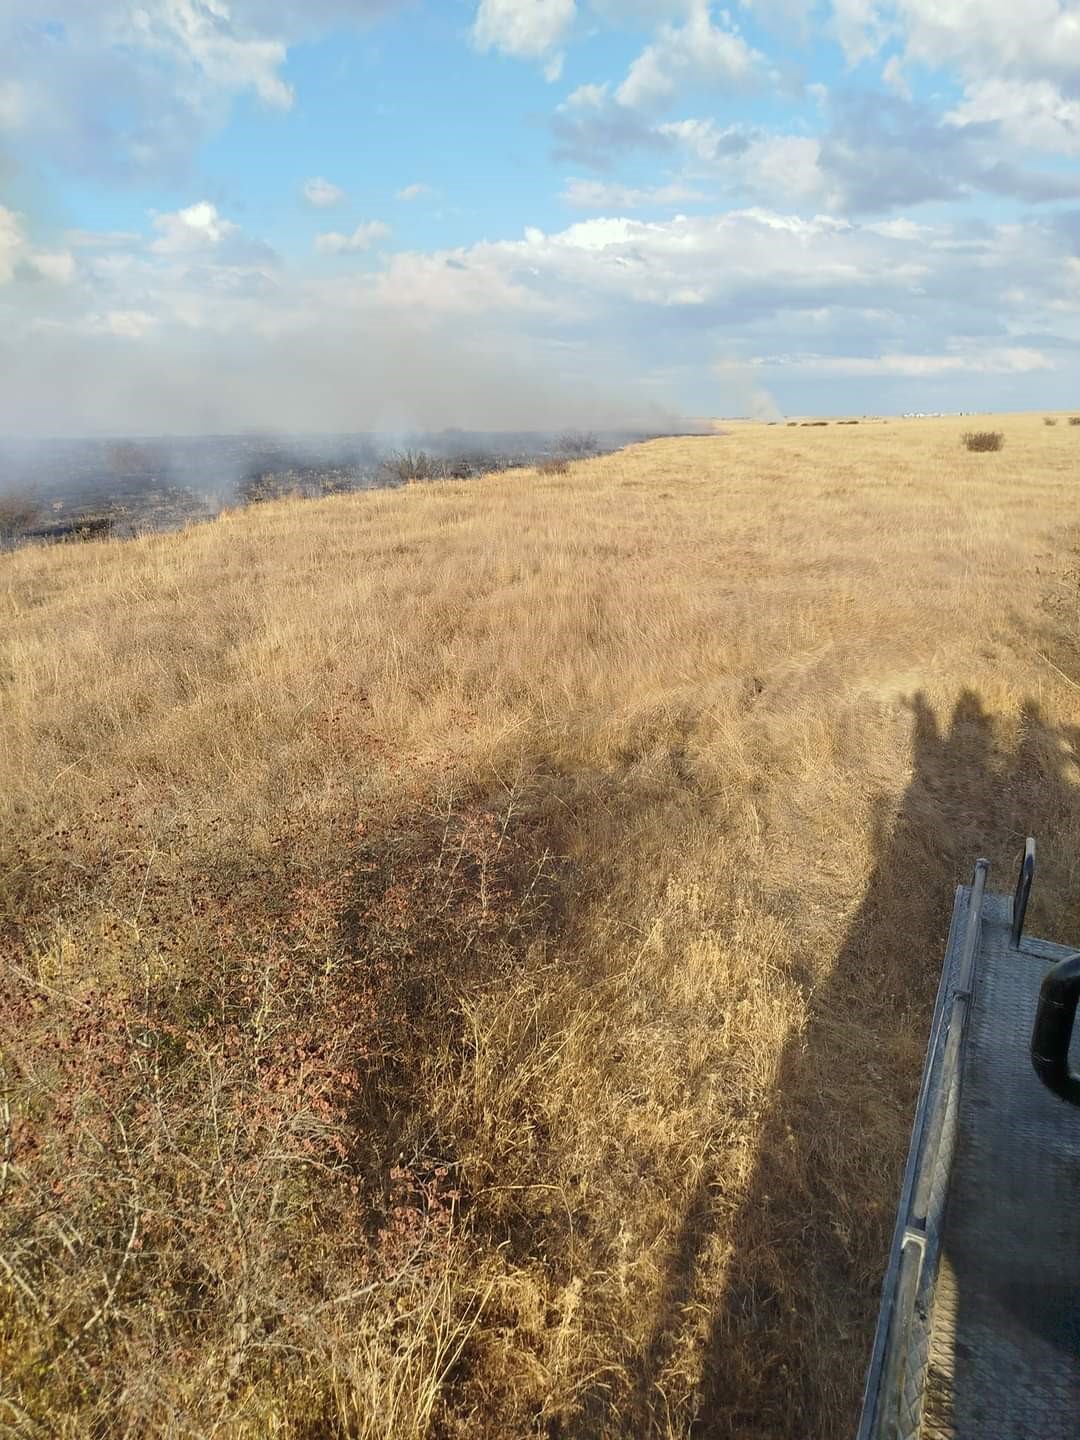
(979, 1331)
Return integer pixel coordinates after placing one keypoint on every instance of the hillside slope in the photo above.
(467, 951)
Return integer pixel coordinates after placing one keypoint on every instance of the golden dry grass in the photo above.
(469, 949)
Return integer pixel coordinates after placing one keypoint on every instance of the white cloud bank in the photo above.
(208, 331)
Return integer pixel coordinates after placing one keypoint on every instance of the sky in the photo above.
(218, 215)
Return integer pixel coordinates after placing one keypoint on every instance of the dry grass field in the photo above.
(466, 952)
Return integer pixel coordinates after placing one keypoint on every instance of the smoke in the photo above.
(742, 393)
(378, 377)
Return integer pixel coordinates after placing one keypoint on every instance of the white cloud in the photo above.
(59, 267)
(14, 105)
(900, 230)
(1019, 64)
(413, 192)
(600, 195)
(859, 28)
(775, 167)
(527, 29)
(171, 69)
(1034, 114)
(362, 238)
(1001, 360)
(199, 227)
(984, 37)
(204, 35)
(788, 166)
(322, 193)
(703, 138)
(12, 242)
(586, 97)
(126, 324)
(696, 53)
(877, 153)
(433, 337)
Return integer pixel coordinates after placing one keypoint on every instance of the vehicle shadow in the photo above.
(786, 1349)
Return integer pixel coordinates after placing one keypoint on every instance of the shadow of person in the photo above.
(786, 1348)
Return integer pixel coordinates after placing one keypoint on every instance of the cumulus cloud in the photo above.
(322, 193)
(784, 168)
(881, 152)
(413, 192)
(696, 53)
(859, 27)
(876, 153)
(1034, 113)
(705, 140)
(208, 41)
(183, 232)
(362, 238)
(509, 332)
(593, 128)
(1019, 64)
(985, 37)
(820, 273)
(526, 29)
(171, 68)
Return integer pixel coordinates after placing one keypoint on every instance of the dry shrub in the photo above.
(984, 440)
(404, 467)
(1074, 419)
(554, 465)
(182, 1142)
(1049, 420)
(577, 443)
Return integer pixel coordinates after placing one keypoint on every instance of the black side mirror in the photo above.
(1054, 1019)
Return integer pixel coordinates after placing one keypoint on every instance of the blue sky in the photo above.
(343, 214)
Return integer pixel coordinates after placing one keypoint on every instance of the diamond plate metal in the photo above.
(1005, 1331)
(988, 1234)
